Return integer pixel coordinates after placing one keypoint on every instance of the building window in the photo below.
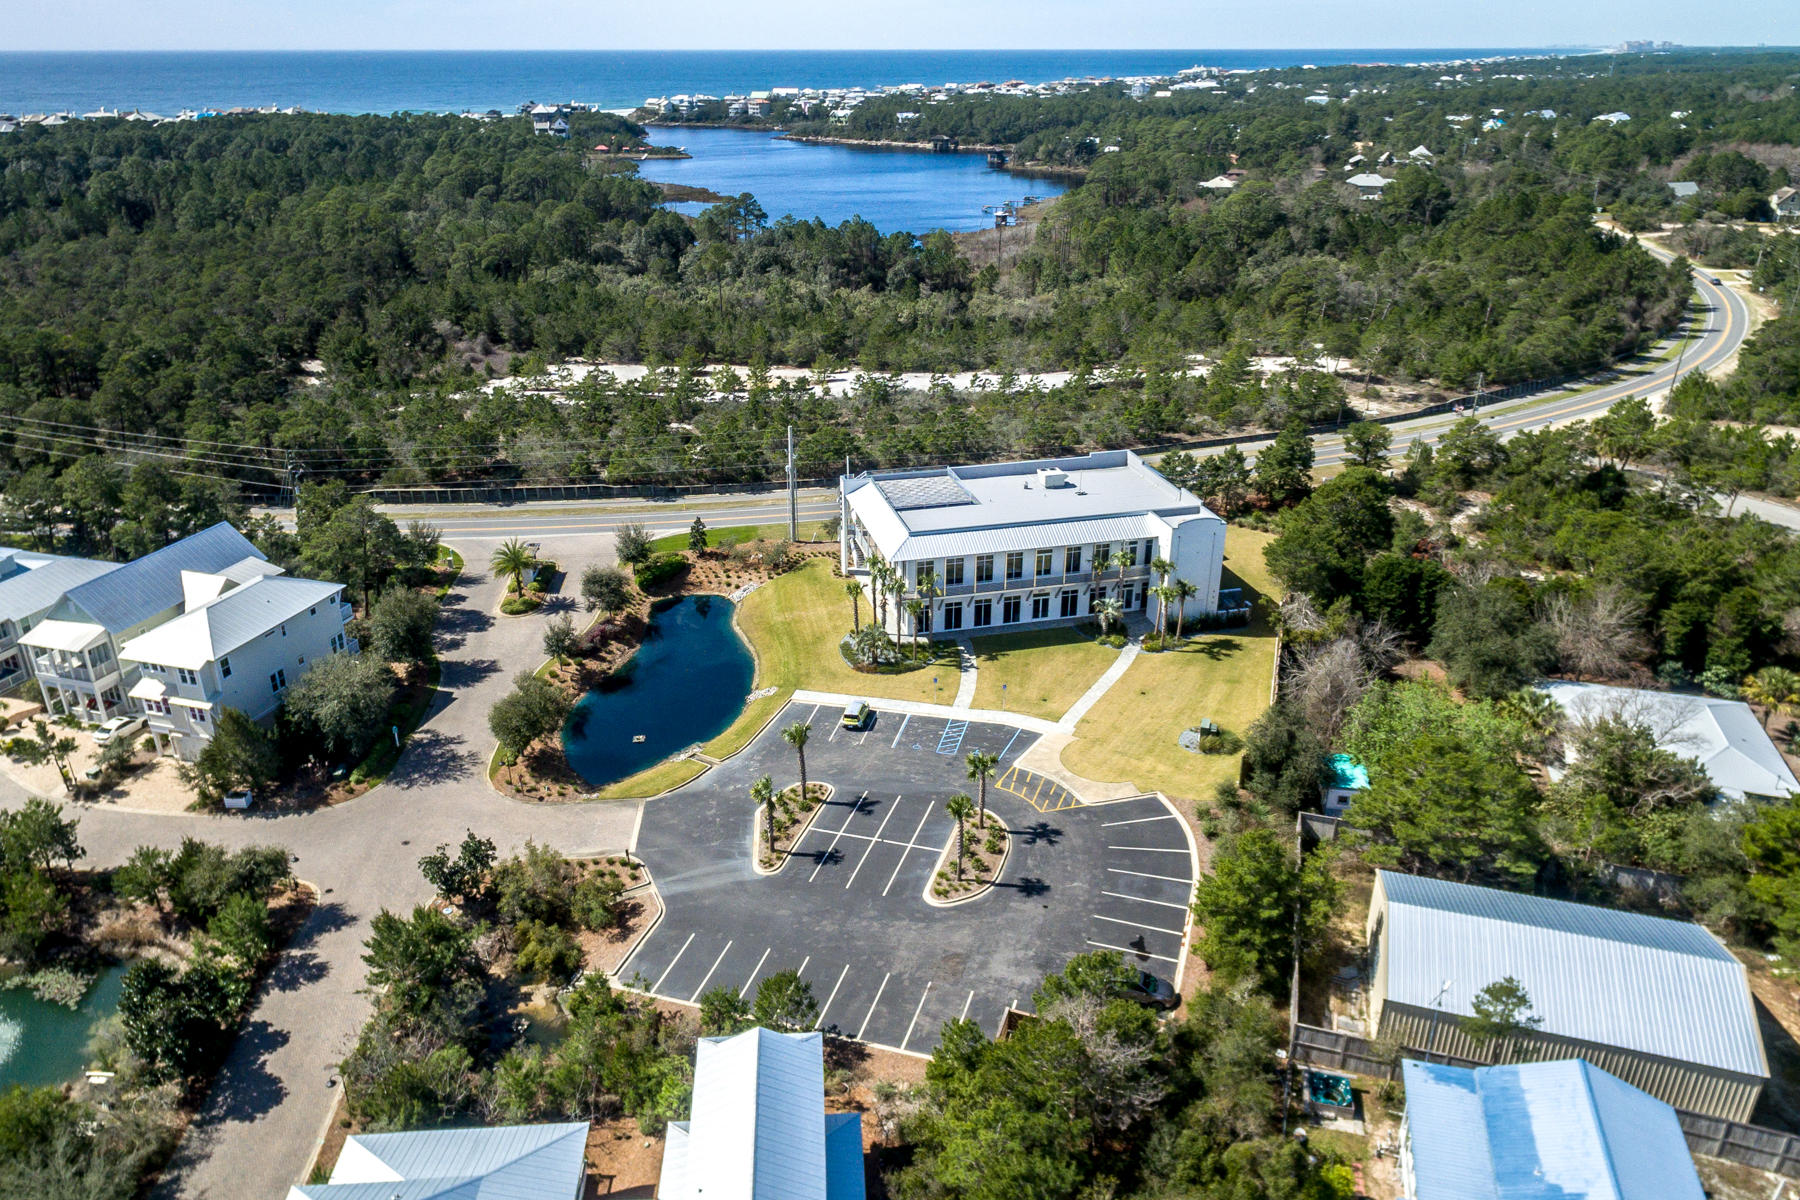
(1095, 595)
(953, 615)
(1131, 551)
(186, 676)
(1015, 565)
(199, 715)
(984, 568)
(225, 668)
(953, 572)
(984, 612)
(277, 681)
(922, 574)
(100, 654)
(313, 611)
(1070, 598)
(1009, 610)
(1045, 561)
(1040, 608)
(1149, 550)
(1125, 597)
(1072, 561)
(1102, 552)
(284, 629)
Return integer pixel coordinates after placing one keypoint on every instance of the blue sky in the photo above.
(856, 24)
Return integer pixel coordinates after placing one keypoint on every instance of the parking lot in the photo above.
(848, 909)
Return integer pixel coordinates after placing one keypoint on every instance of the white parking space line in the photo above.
(838, 833)
(1136, 924)
(832, 736)
(1147, 875)
(834, 991)
(916, 1012)
(911, 845)
(1129, 950)
(1140, 820)
(871, 1013)
(709, 973)
(865, 736)
(902, 728)
(811, 716)
(1151, 849)
(745, 990)
(966, 1003)
(1143, 899)
(657, 986)
(865, 837)
(892, 809)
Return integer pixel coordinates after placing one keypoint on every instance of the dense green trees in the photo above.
(1253, 904)
(535, 708)
(339, 708)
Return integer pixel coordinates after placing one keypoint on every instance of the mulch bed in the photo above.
(981, 866)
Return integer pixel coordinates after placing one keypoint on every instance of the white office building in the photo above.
(1022, 544)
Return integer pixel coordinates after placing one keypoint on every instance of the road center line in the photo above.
(916, 1012)
(745, 990)
(657, 986)
(1137, 924)
(910, 845)
(709, 973)
(871, 1013)
(1147, 875)
(1143, 900)
(892, 809)
(834, 992)
(1138, 820)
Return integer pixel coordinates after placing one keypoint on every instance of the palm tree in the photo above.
(1184, 591)
(961, 808)
(915, 608)
(1774, 690)
(1163, 568)
(854, 589)
(877, 591)
(1103, 561)
(512, 557)
(763, 793)
(981, 766)
(795, 735)
(1109, 610)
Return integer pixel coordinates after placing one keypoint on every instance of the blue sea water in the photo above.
(450, 81)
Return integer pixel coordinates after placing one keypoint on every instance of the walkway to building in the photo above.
(1102, 685)
(966, 665)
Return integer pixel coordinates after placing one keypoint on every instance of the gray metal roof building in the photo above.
(1661, 1004)
(511, 1162)
(140, 589)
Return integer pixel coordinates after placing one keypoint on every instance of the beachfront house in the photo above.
(1661, 1004)
(1004, 545)
(75, 646)
(759, 1127)
(1538, 1131)
(236, 647)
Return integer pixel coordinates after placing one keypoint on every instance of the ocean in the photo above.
(451, 81)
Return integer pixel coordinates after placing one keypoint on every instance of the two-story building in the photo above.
(75, 646)
(31, 584)
(1006, 545)
(236, 647)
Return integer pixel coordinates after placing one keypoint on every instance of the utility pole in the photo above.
(1480, 382)
(793, 492)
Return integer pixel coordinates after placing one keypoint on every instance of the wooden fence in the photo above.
(1734, 1141)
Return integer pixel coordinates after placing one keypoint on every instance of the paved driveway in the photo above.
(848, 910)
(256, 1130)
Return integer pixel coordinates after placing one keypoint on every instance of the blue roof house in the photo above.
(1538, 1131)
(511, 1162)
(1344, 777)
(760, 1130)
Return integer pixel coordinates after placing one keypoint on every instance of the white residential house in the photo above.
(75, 646)
(506, 1162)
(759, 1129)
(1368, 185)
(1785, 203)
(1010, 544)
(236, 647)
(31, 584)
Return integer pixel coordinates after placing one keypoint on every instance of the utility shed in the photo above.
(1539, 1131)
(1661, 1004)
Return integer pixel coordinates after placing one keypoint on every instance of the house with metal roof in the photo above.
(75, 648)
(31, 584)
(759, 1129)
(1661, 1004)
(510, 1162)
(1003, 545)
(1538, 1131)
(236, 647)
(1722, 736)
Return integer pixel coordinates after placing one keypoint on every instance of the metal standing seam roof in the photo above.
(1542, 1131)
(510, 1162)
(32, 591)
(759, 1129)
(228, 621)
(1647, 984)
(140, 589)
(1047, 535)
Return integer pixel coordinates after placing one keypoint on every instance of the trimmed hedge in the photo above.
(659, 569)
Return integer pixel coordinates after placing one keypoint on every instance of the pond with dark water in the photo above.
(43, 1043)
(687, 683)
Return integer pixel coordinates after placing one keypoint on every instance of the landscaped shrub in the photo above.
(513, 606)
(659, 569)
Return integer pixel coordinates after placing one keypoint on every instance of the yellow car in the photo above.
(856, 714)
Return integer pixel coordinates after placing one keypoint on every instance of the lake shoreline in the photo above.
(819, 139)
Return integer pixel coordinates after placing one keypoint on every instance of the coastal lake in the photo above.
(46, 1044)
(912, 191)
(687, 683)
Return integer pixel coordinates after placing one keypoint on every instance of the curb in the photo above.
(978, 893)
(756, 827)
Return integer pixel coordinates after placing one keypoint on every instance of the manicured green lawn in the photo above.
(1044, 671)
(1131, 734)
(794, 624)
(652, 780)
(810, 531)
